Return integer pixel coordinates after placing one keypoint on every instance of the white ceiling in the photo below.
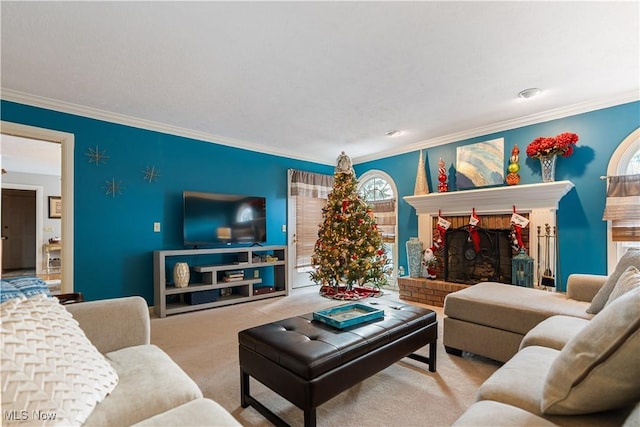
(310, 79)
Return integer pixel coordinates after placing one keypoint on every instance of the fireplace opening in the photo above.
(492, 262)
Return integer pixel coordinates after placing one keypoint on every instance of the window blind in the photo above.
(311, 191)
(385, 214)
(622, 208)
(308, 219)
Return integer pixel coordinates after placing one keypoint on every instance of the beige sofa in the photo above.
(491, 319)
(592, 378)
(152, 389)
(127, 381)
(569, 369)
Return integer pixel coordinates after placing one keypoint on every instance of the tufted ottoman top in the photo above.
(310, 348)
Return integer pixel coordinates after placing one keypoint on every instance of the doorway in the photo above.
(18, 232)
(66, 144)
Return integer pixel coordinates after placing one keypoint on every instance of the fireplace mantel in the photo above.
(540, 201)
(525, 197)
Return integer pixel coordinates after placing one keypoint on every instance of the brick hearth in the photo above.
(426, 291)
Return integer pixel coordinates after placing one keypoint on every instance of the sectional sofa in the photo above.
(575, 361)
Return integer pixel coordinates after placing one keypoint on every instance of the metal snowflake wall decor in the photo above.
(113, 187)
(97, 156)
(151, 174)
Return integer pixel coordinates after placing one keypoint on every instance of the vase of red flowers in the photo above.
(547, 149)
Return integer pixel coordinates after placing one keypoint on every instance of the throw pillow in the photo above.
(628, 281)
(9, 292)
(29, 286)
(49, 367)
(631, 257)
(597, 370)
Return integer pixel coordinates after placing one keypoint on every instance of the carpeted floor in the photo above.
(205, 345)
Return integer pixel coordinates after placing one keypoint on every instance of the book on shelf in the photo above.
(233, 275)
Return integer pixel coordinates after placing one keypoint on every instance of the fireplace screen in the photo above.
(463, 264)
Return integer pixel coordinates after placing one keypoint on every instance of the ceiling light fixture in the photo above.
(529, 93)
(393, 132)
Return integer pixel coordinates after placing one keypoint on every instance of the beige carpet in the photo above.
(205, 345)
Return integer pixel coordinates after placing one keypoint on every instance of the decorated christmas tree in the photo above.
(349, 252)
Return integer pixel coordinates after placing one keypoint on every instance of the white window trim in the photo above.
(618, 166)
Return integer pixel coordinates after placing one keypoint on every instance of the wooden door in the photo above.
(18, 229)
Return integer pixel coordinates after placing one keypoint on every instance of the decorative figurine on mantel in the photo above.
(443, 187)
(421, 188)
(514, 167)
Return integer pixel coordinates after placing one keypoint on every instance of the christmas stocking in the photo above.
(442, 226)
(473, 231)
(518, 222)
(516, 237)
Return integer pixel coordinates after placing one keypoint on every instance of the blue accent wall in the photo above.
(114, 238)
(582, 235)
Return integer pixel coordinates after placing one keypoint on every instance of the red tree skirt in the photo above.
(356, 293)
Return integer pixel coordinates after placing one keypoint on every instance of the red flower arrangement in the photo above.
(548, 146)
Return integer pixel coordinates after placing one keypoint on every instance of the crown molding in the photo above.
(532, 119)
(95, 113)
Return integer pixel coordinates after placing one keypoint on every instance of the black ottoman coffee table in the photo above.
(308, 362)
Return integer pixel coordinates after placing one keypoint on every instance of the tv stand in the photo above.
(219, 277)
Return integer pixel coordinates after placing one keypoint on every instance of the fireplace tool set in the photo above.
(546, 258)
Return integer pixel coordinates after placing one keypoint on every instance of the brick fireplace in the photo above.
(494, 206)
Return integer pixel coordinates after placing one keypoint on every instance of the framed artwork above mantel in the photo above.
(480, 164)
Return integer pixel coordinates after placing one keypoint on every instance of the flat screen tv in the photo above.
(213, 219)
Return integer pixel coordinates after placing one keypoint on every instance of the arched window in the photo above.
(624, 161)
(378, 189)
(633, 168)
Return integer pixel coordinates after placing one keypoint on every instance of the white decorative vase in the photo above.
(181, 275)
(548, 166)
